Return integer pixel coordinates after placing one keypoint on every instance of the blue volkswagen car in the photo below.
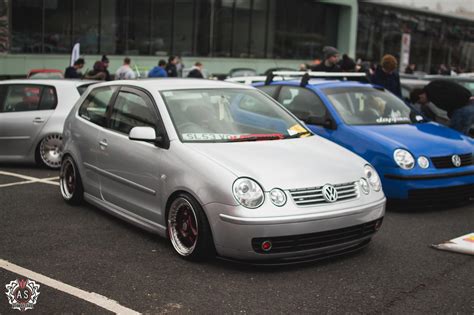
(418, 160)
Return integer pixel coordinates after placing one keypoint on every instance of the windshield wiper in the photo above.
(258, 137)
(298, 135)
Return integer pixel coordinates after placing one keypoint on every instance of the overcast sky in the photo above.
(446, 5)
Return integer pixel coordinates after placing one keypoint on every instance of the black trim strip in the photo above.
(422, 177)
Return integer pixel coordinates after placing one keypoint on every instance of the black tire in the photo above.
(70, 182)
(181, 230)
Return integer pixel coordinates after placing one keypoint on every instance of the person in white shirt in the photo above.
(125, 72)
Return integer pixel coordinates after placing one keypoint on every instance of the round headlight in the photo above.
(423, 162)
(364, 185)
(248, 193)
(404, 159)
(372, 177)
(278, 197)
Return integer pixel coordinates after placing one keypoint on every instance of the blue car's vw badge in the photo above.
(329, 193)
(456, 160)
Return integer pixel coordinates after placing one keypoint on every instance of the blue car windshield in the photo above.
(229, 115)
(370, 106)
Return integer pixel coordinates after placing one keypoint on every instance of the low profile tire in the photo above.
(189, 229)
(70, 182)
(49, 151)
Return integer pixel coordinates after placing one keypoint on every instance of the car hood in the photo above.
(430, 139)
(286, 164)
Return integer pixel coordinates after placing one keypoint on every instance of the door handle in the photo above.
(38, 120)
(103, 144)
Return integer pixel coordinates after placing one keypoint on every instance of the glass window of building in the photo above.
(241, 28)
(86, 25)
(183, 27)
(57, 26)
(139, 27)
(161, 28)
(27, 26)
(259, 28)
(223, 26)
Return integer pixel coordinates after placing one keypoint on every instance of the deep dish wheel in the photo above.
(188, 229)
(50, 150)
(70, 182)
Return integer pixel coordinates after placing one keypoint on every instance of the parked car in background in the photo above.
(32, 114)
(419, 161)
(217, 167)
(45, 74)
(241, 72)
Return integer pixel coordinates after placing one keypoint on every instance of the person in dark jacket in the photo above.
(329, 64)
(196, 71)
(158, 71)
(100, 70)
(73, 71)
(347, 64)
(171, 69)
(456, 100)
(386, 75)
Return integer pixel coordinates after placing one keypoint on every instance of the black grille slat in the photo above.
(446, 162)
(316, 240)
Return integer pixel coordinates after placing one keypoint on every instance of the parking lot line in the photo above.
(90, 297)
(29, 179)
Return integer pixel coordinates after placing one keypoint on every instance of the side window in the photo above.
(131, 110)
(269, 89)
(21, 98)
(49, 100)
(94, 107)
(301, 102)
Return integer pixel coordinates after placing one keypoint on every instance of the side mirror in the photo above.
(147, 134)
(321, 121)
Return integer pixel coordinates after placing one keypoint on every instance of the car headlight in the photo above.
(248, 193)
(423, 162)
(372, 177)
(364, 185)
(404, 159)
(278, 197)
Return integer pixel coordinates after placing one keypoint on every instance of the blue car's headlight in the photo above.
(372, 177)
(248, 193)
(404, 159)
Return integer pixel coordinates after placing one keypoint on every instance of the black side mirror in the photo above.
(325, 122)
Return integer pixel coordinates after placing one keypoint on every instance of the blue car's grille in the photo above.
(447, 162)
(314, 195)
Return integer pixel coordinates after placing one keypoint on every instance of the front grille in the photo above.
(293, 243)
(446, 195)
(446, 161)
(314, 195)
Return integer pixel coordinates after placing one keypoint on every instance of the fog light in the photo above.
(423, 162)
(266, 246)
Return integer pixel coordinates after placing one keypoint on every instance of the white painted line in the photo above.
(29, 179)
(90, 297)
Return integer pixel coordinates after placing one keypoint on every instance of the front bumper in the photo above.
(235, 237)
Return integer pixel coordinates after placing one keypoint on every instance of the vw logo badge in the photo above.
(330, 193)
(456, 160)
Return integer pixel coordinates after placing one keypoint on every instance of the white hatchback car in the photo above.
(32, 114)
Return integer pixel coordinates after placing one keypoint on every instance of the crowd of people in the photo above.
(173, 68)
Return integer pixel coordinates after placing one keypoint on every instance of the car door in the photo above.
(24, 111)
(130, 170)
(303, 103)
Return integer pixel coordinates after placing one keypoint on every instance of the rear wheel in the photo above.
(189, 229)
(70, 182)
(50, 151)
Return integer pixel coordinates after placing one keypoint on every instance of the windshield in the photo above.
(370, 106)
(229, 115)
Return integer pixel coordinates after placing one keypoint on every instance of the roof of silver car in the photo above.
(55, 82)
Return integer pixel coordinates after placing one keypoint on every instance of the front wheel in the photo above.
(70, 182)
(189, 229)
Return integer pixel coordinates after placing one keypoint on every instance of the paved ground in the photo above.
(91, 250)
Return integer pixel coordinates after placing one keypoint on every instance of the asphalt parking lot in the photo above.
(90, 250)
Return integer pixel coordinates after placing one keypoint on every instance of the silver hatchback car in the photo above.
(218, 168)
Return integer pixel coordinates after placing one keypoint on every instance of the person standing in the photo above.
(386, 75)
(158, 71)
(196, 71)
(171, 69)
(100, 70)
(73, 72)
(125, 72)
(329, 64)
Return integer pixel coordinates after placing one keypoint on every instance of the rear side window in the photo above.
(94, 108)
(21, 98)
(82, 88)
(131, 110)
(301, 102)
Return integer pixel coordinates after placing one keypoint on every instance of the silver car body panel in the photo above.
(136, 180)
(21, 132)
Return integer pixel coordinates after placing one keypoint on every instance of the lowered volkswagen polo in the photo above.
(218, 168)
